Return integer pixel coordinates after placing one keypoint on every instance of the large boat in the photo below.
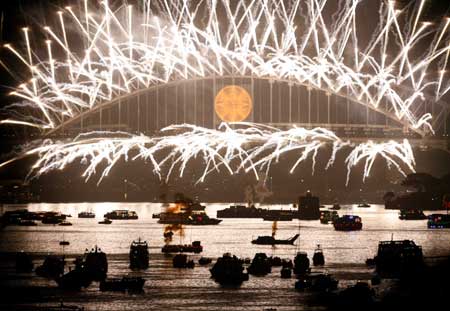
(121, 215)
(195, 247)
(228, 270)
(438, 221)
(397, 257)
(184, 218)
(241, 211)
(95, 264)
(270, 240)
(411, 214)
(308, 207)
(348, 223)
(139, 255)
(278, 216)
(86, 215)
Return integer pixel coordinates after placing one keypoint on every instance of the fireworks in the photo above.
(250, 147)
(173, 40)
(127, 50)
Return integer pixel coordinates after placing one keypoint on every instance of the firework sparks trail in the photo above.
(249, 147)
(127, 50)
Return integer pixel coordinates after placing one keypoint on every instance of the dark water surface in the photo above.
(173, 289)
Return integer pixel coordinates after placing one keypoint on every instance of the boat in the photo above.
(348, 223)
(395, 258)
(74, 280)
(363, 204)
(270, 240)
(53, 218)
(156, 215)
(195, 247)
(86, 215)
(204, 261)
(278, 216)
(438, 221)
(411, 214)
(260, 265)
(318, 257)
(181, 261)
(95, 264)
(286, 272)
(121, 215)
(328, 216)
(105, 221)
(139, 255)
(64, 243)
(228, 270)
(53, 267)
(301, 264)
(131, 284)
(65, 223)
(185, 218)
(24, 264)
(318, 282)
(308, 207)
(241, 211)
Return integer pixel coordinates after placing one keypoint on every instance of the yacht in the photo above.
(139, 255)
(121, 215)
(348, 223)
(86, 215)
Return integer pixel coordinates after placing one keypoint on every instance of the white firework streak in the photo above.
(128, 49)
(249, 147)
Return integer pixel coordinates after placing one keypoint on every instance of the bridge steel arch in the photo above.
(391, 121)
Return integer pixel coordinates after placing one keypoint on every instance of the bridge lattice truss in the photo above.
(130, 51)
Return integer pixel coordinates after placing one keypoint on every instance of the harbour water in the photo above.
(167, 288)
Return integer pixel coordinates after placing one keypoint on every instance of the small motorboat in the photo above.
(318, 257)
(364, 204)
(204, 261)
(106, 221)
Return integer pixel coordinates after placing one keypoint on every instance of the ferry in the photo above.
(348, 223)
(121, 215)
(195, 247)
(194, 218)
(86, 215)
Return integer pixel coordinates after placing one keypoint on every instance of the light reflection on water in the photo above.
(232, 235)
(172, 289)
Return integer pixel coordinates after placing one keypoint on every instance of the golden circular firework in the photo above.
(233, 104)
